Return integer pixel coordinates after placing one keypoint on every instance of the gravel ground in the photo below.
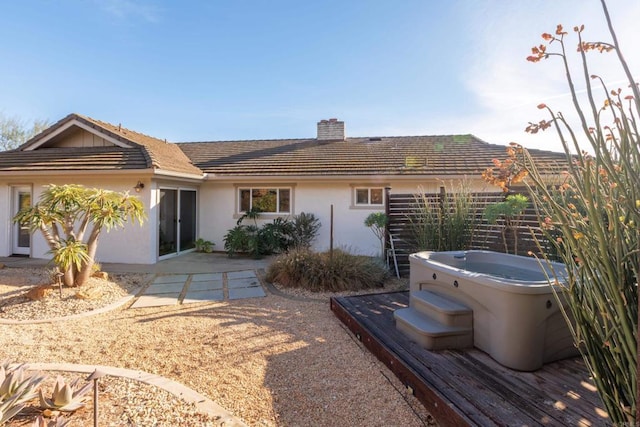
(283, 360)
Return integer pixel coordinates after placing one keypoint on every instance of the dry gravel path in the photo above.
(274, 361)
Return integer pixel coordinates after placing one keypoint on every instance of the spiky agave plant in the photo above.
(65, 397)
(16, 388)
(41, 421)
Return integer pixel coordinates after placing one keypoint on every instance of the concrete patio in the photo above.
(188, 278)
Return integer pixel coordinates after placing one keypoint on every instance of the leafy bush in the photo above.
(305, 228)
(276, 237)
(272, 238)
(204, 245)
(240, 239)
(302, 268)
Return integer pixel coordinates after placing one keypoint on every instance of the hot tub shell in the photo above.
(517, 322)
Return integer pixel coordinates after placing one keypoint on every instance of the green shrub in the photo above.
(272, 238)
(302, 268)
(305, 227)
(237, 239)
(275, 237)
(204, 245)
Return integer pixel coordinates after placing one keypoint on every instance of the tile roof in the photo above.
(436, 156)
(423, 156)
(147, 152)
(67, 159)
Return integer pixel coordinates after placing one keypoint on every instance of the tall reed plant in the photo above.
(444, 221)
(593, 217)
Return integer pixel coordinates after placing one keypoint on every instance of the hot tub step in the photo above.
(441, 308)
(431, 334)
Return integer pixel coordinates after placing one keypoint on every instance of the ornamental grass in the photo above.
(327, 271)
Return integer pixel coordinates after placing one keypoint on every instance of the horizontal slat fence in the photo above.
(402, 209)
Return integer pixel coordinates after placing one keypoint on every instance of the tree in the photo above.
(377, 222)
(510, 210)
(592, 218)
(15, 132)
(64, 215)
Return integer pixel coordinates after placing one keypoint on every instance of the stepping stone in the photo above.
(163, 288)
(245, 274)
(243, 283)
(171, 278)
(205, 286)
(253, 292)
(156, 300)
(206, 277)
(201, 296)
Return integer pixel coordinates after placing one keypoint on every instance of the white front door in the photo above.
(20, 235)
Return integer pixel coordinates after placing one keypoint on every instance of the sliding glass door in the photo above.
(177, 221)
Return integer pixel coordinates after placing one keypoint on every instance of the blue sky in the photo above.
(248, 69)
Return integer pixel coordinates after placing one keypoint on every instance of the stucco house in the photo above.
(200, 189)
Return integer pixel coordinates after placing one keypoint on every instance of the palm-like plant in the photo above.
(71, 218)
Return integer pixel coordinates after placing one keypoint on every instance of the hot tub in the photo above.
(516, 318)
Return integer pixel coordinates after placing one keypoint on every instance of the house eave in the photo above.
(88, 172)
(341, 177)
(178, 175)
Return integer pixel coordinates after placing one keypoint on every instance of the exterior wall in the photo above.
(217, 213)
(132, 244)
(217, 210)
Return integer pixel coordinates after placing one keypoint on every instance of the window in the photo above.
(269, 200)
(369, 197)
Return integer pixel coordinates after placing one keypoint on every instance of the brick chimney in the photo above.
(331, 130)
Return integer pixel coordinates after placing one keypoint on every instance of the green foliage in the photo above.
(64, 215)
(237, 240)
(273, 237)
(15, 132)
(65, 397)
(596, 211)
(16, 388)
(204, 245)
(510, 210)
(377, 222)
(444, 222)
(317, 272)
(305, 230)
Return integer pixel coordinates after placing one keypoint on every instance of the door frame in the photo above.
(177, 210)
(15, 227)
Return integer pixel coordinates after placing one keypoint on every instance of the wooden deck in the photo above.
(467, 387)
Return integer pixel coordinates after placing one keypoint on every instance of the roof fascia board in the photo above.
(172, 174)
(373, 178)
(59, 173)
(75, 122)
